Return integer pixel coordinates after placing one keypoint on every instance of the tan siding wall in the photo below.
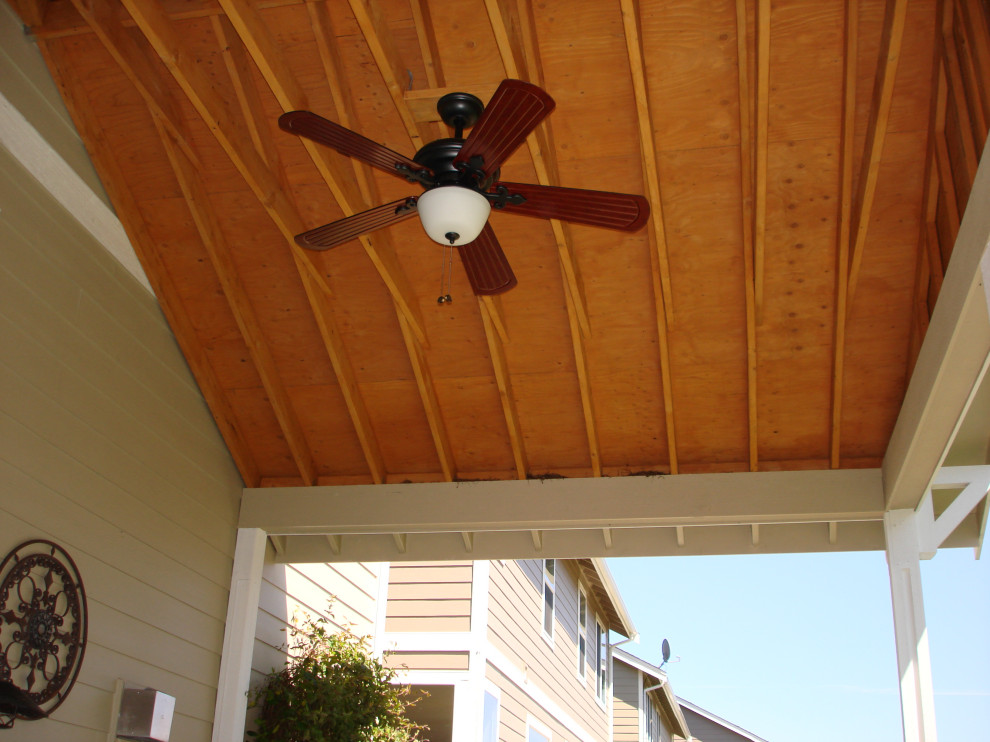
(515, 629)
(516, 708)
(625, 703)
(107, 448)
(429, 660)
(345, 594)
(430, 596)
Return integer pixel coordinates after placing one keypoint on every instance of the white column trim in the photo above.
(381, 608)
(910, 633)
(239, 635)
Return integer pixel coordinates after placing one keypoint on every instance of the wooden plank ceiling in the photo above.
(806, 165)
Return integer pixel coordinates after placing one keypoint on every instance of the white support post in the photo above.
(901, 528)
(238, 636)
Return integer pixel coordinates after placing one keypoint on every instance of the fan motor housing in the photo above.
(439, 156)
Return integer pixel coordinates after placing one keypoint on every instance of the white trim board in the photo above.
(35, 155)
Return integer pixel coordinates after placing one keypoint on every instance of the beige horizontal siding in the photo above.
(625, 703)
(515, 620)
(429, 597)
(428, 660)
(107, 448)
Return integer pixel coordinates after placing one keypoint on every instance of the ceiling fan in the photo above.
(460, 181)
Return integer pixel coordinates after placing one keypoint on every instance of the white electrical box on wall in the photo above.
(145, 715)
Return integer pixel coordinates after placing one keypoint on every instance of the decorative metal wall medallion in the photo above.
(43, 621)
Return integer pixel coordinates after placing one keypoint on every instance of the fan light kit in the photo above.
(460, 181)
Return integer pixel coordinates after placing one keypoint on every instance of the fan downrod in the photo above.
(460, 111)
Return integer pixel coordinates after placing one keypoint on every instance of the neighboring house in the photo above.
(644, 706)
(517, 647)
(707, 727)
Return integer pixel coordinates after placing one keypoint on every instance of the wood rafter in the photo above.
(271, 62)
(216, 246)
(844, 235)
(876, 133)
(130, 217)
(512, 27)
(381, 249)
(516, 42)
(662, 291)
(746, 189)
(369, 18)
(504, 384)
(164, 38)
(763, 11)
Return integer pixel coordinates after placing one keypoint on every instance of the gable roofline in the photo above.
(664, 694)
(599, 579)
(719, 720)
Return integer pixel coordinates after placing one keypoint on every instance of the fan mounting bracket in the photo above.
(460, 111)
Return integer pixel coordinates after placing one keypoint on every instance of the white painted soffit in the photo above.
(612, 591)
(952, 363)
(35, 155)
(655, 676)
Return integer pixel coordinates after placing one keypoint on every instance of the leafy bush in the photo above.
(332, 690)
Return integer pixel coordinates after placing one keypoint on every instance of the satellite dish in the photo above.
(665, 651)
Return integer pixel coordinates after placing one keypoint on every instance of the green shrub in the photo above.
(332, 690)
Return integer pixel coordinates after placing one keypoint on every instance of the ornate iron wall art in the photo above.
(43, 621)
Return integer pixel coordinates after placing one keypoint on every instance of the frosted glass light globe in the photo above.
(452, 214)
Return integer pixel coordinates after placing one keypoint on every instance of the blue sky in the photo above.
(800, 647)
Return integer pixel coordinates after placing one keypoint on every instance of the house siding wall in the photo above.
(107, 448)
(345, 594)
(515, 630)
(626, 699)
(429, 596)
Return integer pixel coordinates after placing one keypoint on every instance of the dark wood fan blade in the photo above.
(487, 269)
(515, 109)
(343, 230)
(623, 211)
(345, 141)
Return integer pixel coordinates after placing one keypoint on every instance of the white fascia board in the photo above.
(951, 364)
(842, 495)
(612, 590)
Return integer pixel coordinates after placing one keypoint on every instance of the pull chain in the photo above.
(446, 266)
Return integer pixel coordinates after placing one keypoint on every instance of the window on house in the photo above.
(549, 566)
(489, 722)
(582, 633)
(601, 660)
(537, 735)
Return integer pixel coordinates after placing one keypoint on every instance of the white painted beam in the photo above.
(238, 636)
(740, 498)
(779, 538)
(910, 633)
(952, 361)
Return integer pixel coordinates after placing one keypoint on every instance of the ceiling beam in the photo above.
(549, 505)
(515, 36)
(516, 40)
(876, 132)
(844, 231)
(504, 383)
(379, 39)
(181, 62)
(951, 364)
(763, 12)
(660, 264)
(746, 188)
